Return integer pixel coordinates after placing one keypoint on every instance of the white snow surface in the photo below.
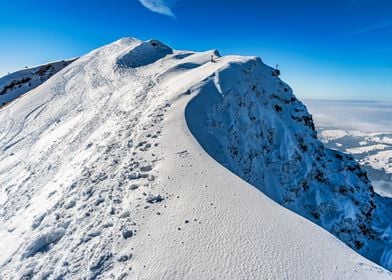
(366, 149)
(102, 178)
(381, 160)
(328, 135)
(16, 84)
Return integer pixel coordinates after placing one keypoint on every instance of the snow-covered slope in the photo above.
(362, 129)
(102, 175)
(14, 85)
(257, 128)
(373, 151)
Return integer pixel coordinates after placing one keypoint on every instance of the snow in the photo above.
(328, 135)
(371, 149)
(110, 170)
(381, 160)
(366, 149)
(382, 187)
(16, 84)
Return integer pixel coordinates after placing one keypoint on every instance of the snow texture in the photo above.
(16, 84)
(103, 175)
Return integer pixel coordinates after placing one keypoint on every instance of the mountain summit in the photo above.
(138, 161)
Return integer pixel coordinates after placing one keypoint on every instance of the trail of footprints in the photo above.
(100, 209)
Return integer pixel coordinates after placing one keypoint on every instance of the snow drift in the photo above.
(101, 177)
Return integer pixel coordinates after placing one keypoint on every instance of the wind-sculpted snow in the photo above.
(144, 54)
(249, 120)
(100, 177)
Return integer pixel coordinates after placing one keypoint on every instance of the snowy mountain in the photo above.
(103, 175)
(362, 129)
(373, 151)
(14, 85)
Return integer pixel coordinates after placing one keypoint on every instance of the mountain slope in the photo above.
(362, 129)
(372, 150)
(101, 178)
(16, 84)
(255, 127)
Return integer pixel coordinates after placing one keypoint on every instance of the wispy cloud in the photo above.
(373, 27)
(158, 6)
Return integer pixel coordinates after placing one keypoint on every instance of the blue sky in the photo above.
(332, 49)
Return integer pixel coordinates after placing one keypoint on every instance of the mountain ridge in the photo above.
(103, 179)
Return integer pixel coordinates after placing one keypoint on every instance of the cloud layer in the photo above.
(158, 6)
(365, 116)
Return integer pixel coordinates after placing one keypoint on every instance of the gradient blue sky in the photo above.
(333, 49)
